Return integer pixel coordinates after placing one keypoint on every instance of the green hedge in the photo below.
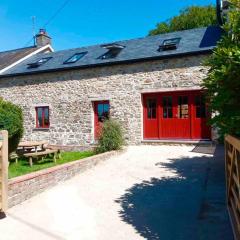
(111, 137)
(223, 81)
(11, 119)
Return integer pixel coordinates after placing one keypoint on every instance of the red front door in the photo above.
(175, 115)
(101, 113)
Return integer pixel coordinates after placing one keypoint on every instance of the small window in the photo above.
(75, 57)
(151, 108)
(112, 53)
(42, 117)
(200, 107)
(183, 107)
(167, 107)
(113, 50)
(103, 110)
(39, 62)
(169, 44)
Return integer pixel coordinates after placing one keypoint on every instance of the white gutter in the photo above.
(28, 56)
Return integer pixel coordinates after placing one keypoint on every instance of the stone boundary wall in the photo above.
(24, 187)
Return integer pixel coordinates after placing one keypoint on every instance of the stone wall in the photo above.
(26, 186)
(70, 95)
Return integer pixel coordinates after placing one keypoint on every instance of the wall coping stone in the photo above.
(62, 166)
(27, 186)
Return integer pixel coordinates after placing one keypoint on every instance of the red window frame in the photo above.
(43, 117)
(97, 124)
(151, 108)
(167, 106)
(201, 110)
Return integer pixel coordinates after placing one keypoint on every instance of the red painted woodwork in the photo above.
(200, 128)
(101, 113)
(179, 115)
(42, 117)
(173, 125)
(151, 116)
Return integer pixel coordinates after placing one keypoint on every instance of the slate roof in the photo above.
(194, 41)
(9, 57)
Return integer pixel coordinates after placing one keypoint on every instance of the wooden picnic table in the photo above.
(29, 145)
(30, 156)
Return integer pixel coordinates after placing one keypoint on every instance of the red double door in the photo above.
(175, 115)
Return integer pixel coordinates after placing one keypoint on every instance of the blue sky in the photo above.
(83, 22)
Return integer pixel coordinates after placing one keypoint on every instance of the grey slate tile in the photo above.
(192, 41)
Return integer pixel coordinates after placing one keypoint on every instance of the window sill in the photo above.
(42, 129)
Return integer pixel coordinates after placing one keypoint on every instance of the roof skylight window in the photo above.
(39, 62)
(113, 50)
(75, 57)
(169, 44)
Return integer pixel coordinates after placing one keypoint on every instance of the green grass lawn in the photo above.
(22, 167)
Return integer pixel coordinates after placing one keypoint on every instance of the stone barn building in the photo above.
(151, 85)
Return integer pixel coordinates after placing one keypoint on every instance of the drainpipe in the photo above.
(222, 8)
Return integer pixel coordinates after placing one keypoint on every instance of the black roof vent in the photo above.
(169, 44)
(39, 62)
(113, 50)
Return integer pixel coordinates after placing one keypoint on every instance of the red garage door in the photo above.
(175, 115)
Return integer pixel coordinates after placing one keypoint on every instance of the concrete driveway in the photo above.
(148, 192)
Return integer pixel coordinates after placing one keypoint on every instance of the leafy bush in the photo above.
(11, 119)
(190, 17)
(223, 81)
(111, 137)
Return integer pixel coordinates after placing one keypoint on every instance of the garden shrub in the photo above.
(111, 137)
(11, 119)
(223, 80)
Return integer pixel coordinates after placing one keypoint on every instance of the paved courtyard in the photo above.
(148, 192)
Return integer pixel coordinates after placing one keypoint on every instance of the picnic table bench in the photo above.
(28, 146)
(31, 155)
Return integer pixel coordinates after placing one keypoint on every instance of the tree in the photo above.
(190, 17)
(223, 80)
(11, 119)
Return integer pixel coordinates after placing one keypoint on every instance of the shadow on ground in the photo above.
(188, 206)
(2, 215)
